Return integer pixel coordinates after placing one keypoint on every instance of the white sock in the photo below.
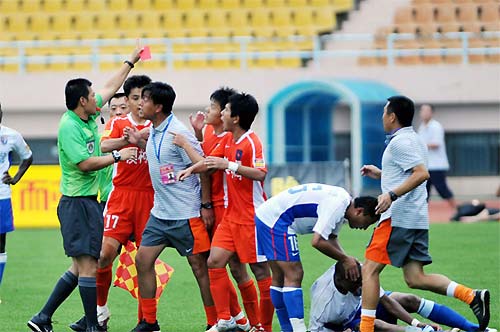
(450, 290)
(298, 324)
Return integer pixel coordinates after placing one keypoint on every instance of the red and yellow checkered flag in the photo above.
(126, 273)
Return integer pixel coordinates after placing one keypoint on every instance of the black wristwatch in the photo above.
(393, 196)
(116, 155)
(207, 205)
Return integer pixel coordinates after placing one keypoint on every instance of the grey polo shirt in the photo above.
(405, 151)
(176, 200)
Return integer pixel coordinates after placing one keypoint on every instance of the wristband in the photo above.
(415, 322)
(232, 166)
(393, 196)
(129, 63)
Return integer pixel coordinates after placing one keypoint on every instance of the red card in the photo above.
(145, 53)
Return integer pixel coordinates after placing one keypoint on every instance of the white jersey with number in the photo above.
(297, 205)
(10, 140)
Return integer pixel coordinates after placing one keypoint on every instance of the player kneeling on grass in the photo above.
(336, 306)
(277, 240)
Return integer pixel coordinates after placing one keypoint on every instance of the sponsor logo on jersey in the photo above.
(90, 147)
(4, 139)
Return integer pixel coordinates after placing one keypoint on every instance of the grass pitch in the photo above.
(466, 253)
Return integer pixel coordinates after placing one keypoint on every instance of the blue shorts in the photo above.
(277, 243)
(6, 217)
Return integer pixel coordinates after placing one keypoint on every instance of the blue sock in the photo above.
(294, 302)
(279, 305)
(3, 261)
(441, 314)
(88, 294)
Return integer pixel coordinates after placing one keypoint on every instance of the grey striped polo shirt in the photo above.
(405, 151)
(178, 200)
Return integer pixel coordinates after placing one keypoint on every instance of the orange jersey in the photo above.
(210, 141)
(244, 195)
(130, 174)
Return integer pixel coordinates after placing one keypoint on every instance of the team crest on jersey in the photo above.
(4, 139)
(239, 154)
(90, 147)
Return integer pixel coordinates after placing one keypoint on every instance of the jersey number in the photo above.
(303, 188)
(294, 244)
(110, 218)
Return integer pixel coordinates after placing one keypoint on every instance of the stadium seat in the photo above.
(424, 14)
(278, 3)
(239, 23)
(149, 20)
(163, 5)
(320, 3)
(433, 45)
(325, 19)
(489, 12)
(403, 15)
(185, 4)
(217, 23)
(420, 2)
(53, 6)
(467, 13)
(96, 5)
(74, 6)
(141, 5)
(445, 13)
(230, 4)
(8, 6)
(209, 4)
(297, 3)
(115, 5)
(15, 23)
(83, 22)
(29, 6)
(38, 23)
(195, 23)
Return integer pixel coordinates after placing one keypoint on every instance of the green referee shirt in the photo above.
(78, 140)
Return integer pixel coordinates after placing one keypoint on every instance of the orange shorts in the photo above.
(397, 246)
(200, 235)
(126, 214)
(219, 215)
(239, 239)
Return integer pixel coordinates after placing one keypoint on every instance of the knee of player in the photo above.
(413, 281)
(198, 265)
(143, 262)
(410, 302)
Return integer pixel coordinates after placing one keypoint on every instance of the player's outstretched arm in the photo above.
(199, 167)
(110, 144)
(371, 171)
(97, 163)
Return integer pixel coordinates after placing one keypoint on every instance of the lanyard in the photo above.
(158, 150)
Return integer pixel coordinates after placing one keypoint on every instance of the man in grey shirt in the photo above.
(175, 218)
(401, 238)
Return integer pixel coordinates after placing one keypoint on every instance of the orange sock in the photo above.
(250, 301)
(234, 305)
(211, 314)
(266, 305)
(219, 287)
(149, 307)
(367, 324)
(102, 282)
(464, 293)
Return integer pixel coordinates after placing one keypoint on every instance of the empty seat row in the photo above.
(487, 12)
(13, 6)
(418, 2)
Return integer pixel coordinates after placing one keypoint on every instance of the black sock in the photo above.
(62, 290)
(88, 293)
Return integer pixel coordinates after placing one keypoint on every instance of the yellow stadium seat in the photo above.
(276, 3)
(216, 23)
(230, 4)
(16, 23)
(343, 5)
(445, 13)
(149, 20)
(252, 4)
(74, 6)
(289, 62)
(260, 18)
(141, 5)
(185, 4)
(127, 20)
(104, 21)
(83, 23)
(281, 17)
(467, 13)
(9, 6)
(96, 5)
(407, 59)
(29, 6)
(38, 23)
(173, 19)
(117, 4)
(297, 3)
(325, 19)
(52, 6)
(424, 14)
(420, 2)
(238, 22)
(163, 5)
(320, 3)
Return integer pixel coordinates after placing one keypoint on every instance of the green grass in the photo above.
(469, 254)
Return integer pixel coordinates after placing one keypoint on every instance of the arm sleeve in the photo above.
(115, 131)
(330, 218)
(21, 148)
(404, 154)
(258, 158)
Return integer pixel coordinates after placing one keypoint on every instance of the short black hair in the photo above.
(76, 88)
(135, 81)
(368, 203)
(161, 94)
(246, 107)
(403, 107)
(221, 95)
(116, 95)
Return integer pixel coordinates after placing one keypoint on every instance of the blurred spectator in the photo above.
(432, 133)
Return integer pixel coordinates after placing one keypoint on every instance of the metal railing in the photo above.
(165, 49)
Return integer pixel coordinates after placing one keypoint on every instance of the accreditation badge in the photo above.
(167, 174)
